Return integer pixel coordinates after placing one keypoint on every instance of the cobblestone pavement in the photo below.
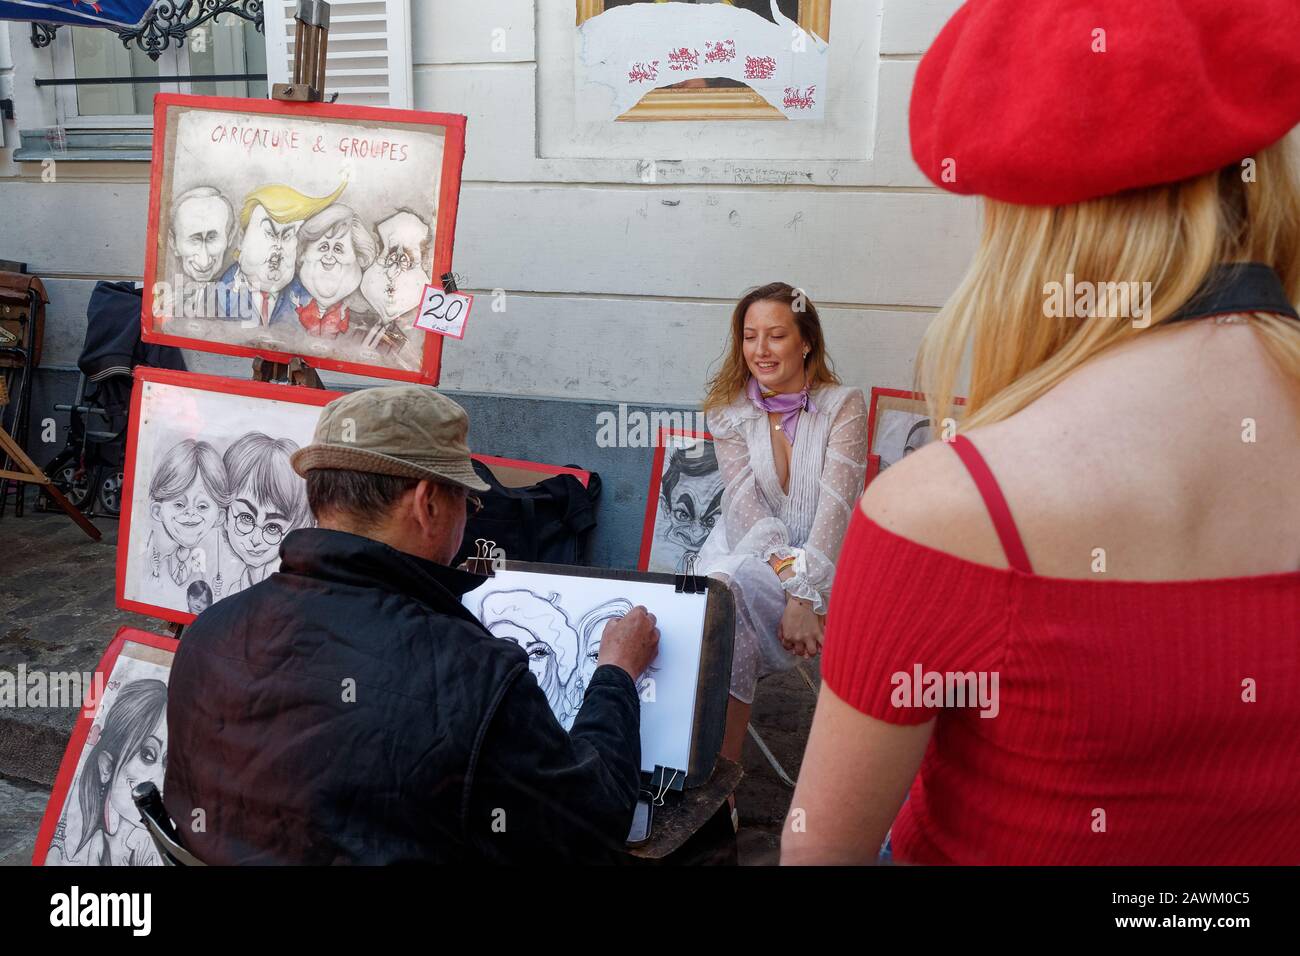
(57, 612)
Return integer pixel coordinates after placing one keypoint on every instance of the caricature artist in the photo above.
(349, 709)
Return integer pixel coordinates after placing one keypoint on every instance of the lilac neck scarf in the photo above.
(788, 406)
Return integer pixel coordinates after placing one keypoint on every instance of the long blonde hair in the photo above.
(1171, 236)
(732, 377)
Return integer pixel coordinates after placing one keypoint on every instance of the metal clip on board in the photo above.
(662, 780)
(481, 562)
(688, 582)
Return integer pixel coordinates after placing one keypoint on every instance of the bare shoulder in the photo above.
(929, 498)
(1144, 454)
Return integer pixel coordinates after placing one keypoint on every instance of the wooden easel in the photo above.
(33, 475)
(310, 43)
(311, 40)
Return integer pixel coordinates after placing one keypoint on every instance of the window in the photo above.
(226, 46)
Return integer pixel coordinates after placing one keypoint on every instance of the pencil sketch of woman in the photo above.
(591, 629)
(131, 749)
(542, 628)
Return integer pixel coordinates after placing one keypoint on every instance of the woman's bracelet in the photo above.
(783, 564)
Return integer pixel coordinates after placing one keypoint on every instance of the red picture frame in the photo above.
(81, 730)
(878, 393)
(208, 383)
(656, 479)
(873, 469)
(444, 230)
(543, 471)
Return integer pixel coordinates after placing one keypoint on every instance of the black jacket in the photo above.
(348, 709)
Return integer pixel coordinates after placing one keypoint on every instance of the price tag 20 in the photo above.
(444, 313)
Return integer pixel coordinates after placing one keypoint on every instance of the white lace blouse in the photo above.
(827, 467)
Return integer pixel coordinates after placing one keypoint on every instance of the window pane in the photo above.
(99, 53)
(231, 45)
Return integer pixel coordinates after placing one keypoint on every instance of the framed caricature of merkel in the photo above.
(300, 229)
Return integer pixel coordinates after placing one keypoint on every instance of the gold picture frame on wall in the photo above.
(712, 104)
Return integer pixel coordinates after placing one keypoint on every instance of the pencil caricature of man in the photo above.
(267, 501)
(691, 496)
(334, 249)
(540, 626)
(260, 286)
(202, 231)
(394, 284)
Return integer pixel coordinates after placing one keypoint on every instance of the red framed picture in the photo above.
(282, 229)
(514, 473)
(873, 469)
(684, 501)
(90, 819)
(898, 423)
(208, 490)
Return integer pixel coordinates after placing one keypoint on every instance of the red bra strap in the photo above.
(1005, 525)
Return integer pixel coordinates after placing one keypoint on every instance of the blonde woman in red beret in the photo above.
(1072, 634)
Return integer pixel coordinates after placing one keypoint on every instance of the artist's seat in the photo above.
(154, 817)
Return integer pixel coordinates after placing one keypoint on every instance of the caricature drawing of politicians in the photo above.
(202, 230)
(334, 248)
(261, 285)
(394, 283)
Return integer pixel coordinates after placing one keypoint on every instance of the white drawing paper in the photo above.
(629, 50)
(559, 619)
(127, 745)
(688, 503)
(213, 494)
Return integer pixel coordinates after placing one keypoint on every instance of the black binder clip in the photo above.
(688, 582)
(662, 780)
(449, 282)
(482, 561)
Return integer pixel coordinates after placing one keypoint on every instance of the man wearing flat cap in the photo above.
(348, 709)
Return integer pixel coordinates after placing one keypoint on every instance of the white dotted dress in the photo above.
(827, 467)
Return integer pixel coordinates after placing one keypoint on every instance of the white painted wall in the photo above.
(617, 289)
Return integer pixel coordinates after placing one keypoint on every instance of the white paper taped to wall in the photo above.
(627, 51)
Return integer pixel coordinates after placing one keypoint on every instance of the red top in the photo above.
(1136, 722)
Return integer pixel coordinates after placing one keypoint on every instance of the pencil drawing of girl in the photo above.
(186, 495)
(267, 500)
(131, 748)
(541, 627)
(591, 630)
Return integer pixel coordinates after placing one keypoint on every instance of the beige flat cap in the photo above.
(410, 431)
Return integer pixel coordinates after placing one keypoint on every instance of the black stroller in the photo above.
(89, 468)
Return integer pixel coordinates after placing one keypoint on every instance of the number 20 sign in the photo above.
(444, 313)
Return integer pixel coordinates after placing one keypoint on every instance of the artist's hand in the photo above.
(801, 630)
(631, 642)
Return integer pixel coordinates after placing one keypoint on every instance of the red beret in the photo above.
(1016, 101)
